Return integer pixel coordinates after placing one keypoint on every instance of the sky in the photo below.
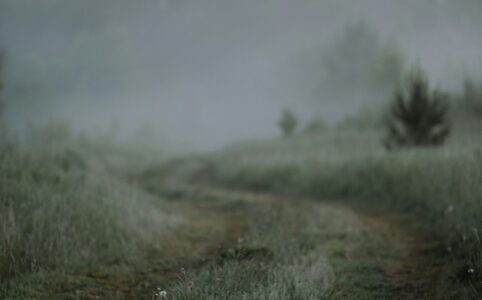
(211, 72)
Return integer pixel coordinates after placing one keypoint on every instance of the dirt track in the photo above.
(403, 256)
(366, 253)
(402, 249)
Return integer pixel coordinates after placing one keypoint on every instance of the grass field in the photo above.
(329, 216)
(440, 187)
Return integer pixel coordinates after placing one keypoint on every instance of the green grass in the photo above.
(72, 226)
(287, 249)
(440, 187)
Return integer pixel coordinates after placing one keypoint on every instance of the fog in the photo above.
(210, 72)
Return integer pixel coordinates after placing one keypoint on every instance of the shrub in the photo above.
(418, 116)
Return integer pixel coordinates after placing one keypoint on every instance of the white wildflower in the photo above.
(160, 294)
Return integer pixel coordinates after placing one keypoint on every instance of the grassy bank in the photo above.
(61, 213)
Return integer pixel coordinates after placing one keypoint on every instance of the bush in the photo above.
(55, 134)
(418, 116)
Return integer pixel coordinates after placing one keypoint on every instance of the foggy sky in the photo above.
(209, 72)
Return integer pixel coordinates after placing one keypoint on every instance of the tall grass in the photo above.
(441, 187)
(57, 212)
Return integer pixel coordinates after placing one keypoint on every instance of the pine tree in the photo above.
(418, 115)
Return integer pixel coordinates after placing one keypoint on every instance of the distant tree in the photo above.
(288, 123)
(365, 118)
(2, 125)
(360, 66)
(316, 125)
(472, 97)
(4, 141)
(418, 116)
(1, 83)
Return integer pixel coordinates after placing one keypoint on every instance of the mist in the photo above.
(206, 73)
(240, 149)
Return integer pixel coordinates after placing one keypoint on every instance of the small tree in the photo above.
(288, 123)
(418, 115)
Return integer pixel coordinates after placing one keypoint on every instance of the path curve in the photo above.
(411, 271)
